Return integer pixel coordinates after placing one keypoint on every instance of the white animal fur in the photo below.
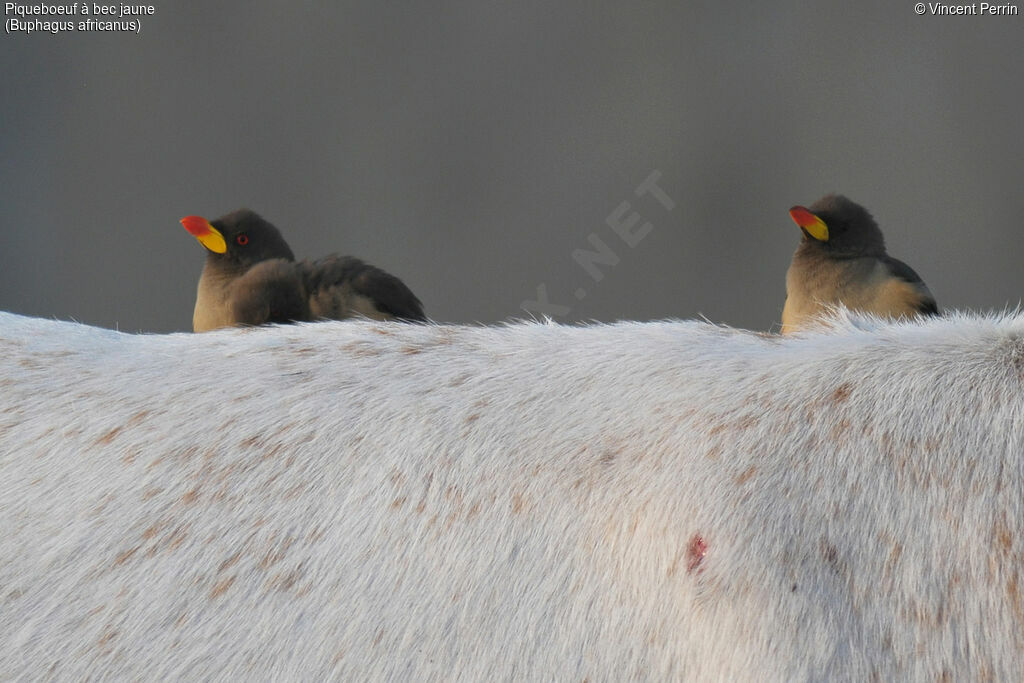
(529, 502)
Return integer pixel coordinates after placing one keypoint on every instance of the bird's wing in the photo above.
(338, 285)
(269, 292)
(901, 270)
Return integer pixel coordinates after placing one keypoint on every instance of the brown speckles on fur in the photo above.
(1013, 593)
(443, 336)
(109, 436)
(286, 581)
(102, 503)
(840, 429)
(272, 557)
(397, 477)
(453, 494)
(361, 350)
(152, 530)
(125, 555)
(272, 451)
(108, 635)
(841, 394)
(459, 380)
(830, 554)
(176, 538)
(744, 423)
(745, 475)
(221, 587)
(370, 525)
(1001, 534)
(295, 492)
(132, 422)
(230, 562)
(137, 418)
(428, 480)
(894, 558)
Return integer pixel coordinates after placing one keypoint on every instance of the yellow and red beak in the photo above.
(207, 235)
(814, 226)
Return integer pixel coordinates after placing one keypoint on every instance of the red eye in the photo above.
(242, 240)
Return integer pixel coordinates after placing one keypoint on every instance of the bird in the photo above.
(841, 260)
(251, 278)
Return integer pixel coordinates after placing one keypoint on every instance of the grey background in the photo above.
(470, 147)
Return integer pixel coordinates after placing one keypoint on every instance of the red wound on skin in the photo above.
(802, 216)
(695, 552)
(196, 225)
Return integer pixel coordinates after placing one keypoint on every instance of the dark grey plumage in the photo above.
(255, 280)
(842, 260)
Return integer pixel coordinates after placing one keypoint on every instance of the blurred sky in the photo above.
(470, 147)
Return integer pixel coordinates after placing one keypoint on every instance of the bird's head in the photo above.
(238, 239)
(839, 227)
